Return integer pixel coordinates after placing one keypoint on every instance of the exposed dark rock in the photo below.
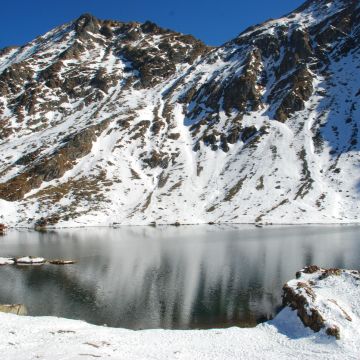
(299, 50)
(102, 81)
(330, 272)
(234, 135)
(106, 31)
(269, 45)
(298, 302)
(224, 143)
(54, 166)
(235, 189)
(29, 157)
(134, 175)
(140, 129)
(42, 223)
(210, 139)
(7, 50)
(311, 269)
(150, 27)
(174, 136)
(196, 147)
(86, 24)
(73, 52)
(157, 159)
(13, 77)
(241, 93)
(3, 229)
(248, 132)
(163, 178)
(157, 126)
(333, 331)
(157, 63)
(299, 89)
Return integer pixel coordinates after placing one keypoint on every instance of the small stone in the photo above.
(333, 331)
(330, 272)
(311, 269)
(61, 262)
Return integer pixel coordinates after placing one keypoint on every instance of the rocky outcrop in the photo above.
(52, 166)
(43, 223)
(156, 63)
(298, 89)
(315, 309)
(157, 159)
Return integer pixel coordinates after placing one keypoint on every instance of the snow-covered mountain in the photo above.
(103, 122)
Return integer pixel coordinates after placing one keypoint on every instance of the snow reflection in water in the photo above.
(167, 277)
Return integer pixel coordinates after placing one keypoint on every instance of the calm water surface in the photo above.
(167, 277)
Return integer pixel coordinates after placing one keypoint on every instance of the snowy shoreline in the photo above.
(55, 338)
(160, 225)
(284, 337)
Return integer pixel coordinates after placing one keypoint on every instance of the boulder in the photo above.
(30, 260)
(16, 309)
(61, 262)
(6, 261)
(3, 229)
(317, 296)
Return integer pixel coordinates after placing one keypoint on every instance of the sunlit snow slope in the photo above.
(103, 122)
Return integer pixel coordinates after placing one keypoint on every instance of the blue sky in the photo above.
(213, 21)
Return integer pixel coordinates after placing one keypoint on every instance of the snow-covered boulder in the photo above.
(325, 299)
(7, 261)
(30, 260)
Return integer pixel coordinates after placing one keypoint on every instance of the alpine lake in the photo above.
(187, 277)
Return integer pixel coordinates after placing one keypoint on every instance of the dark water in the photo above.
(178, 278)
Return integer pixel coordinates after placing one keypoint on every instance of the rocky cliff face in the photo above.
(103, 122)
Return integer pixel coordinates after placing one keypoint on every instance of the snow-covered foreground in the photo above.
(283, 338)
(53, 338)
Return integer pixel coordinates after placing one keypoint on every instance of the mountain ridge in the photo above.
(104, 122)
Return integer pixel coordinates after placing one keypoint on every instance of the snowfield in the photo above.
(285, 337)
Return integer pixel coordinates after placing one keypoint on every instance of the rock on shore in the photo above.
(325, 299)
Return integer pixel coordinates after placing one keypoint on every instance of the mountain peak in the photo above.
(86, 23)
(87, 17)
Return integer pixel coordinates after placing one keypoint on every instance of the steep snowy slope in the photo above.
(103, 122)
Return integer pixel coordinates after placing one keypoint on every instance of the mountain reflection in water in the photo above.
(168, 277)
